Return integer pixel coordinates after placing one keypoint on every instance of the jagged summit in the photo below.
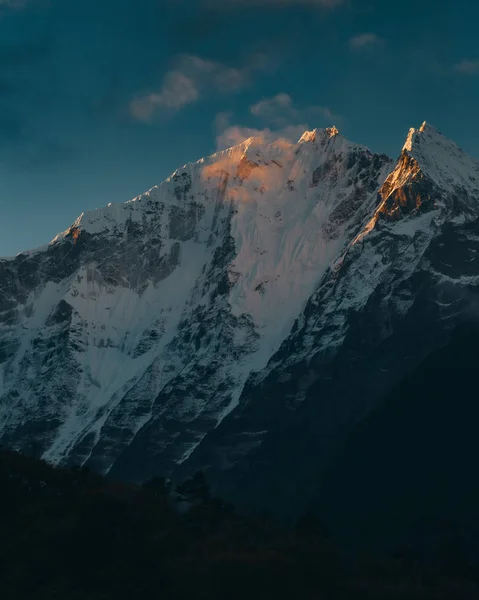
(322, 134)
(440, 159)
(332, 131)
(414, 134)
(254, 162)
(308, 136)
(432, 174)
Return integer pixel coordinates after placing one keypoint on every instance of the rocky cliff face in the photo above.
(242, 316)
(394, 294)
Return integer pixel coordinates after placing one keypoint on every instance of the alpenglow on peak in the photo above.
(311, 136)
(442, 160)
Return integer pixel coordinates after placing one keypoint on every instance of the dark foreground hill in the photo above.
(72, 534)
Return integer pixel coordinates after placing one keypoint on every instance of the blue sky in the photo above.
(101, 100)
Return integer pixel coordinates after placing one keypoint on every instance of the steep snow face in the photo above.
(295, 206)
(269, 286)
(396, 291)
(134, 331)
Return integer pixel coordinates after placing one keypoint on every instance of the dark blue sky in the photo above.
(100, 100)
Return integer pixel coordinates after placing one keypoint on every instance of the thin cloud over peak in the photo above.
(280, 120)
(235, 134)
(228, 134)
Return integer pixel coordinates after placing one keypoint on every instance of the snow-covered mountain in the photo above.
(267, 288)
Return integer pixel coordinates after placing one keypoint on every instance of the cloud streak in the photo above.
(468, 67)
(192, 78)
(364, 40)
(177, 91)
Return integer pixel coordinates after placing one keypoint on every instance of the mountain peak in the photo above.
(245, 255)
(323, 134)
(441, 159)
(308, 136)
(332, 131)
(415, 136)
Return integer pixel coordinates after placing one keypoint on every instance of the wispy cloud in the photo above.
(280, 120)
(280, 111)
(235, 134)
(177, 91)
(192, 77)
(365, 40)
(275, 108)
(468, 67)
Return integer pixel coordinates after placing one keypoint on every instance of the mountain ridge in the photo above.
(186, 328)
